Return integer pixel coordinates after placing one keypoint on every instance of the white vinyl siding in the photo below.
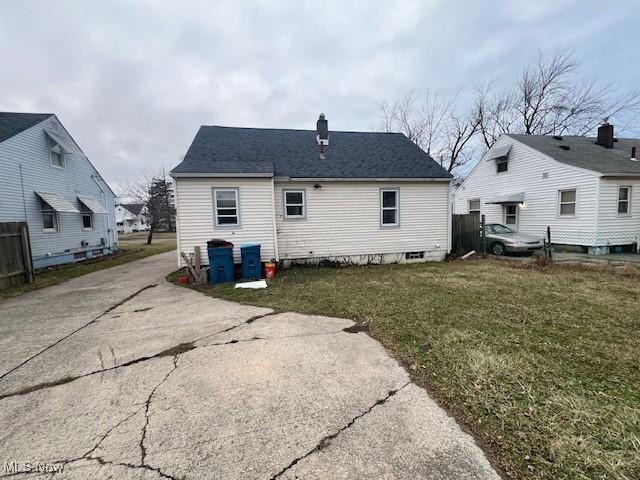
(540, 178)
(343, 219)
(25, 167)
(196, 217)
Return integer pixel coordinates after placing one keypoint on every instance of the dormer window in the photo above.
(500, 155)
(56, 154)
(502, 164)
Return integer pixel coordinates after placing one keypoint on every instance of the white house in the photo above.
(131, 217)
(47, 181)
(587, 190)
(356, 196)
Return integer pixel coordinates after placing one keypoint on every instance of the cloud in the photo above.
(132, 81)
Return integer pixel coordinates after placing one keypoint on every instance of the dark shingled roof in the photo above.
(13, 123)
(584, 153)
(134, 208)
(296, 154)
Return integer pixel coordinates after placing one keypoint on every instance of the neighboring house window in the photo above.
(294, 204)
(56, 154)
(502, 164)
(87, 219)
(389, 201)
(226, 206)
(474, 206)
(49, 218)
(567, 202)
(624, 200)
(511, 214)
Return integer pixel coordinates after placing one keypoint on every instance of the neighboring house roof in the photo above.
(134, 208)
(13, 123)
(295, 153)
(583, 152)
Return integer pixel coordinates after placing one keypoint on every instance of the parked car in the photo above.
(501, 239)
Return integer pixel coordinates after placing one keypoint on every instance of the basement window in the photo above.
(225, 206)
(413, 255)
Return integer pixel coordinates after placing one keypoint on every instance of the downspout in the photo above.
(273, 217)
(597, 219)
(177, 205)
(24, 200)
(104, 195)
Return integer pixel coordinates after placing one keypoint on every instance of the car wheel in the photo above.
(498, 248)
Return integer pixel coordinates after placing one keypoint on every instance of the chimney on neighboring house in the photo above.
(605, 134)
(633, 154)
(322, 129)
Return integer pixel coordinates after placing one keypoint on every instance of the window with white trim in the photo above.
(511, 214)
(294, 204)
(225, 207)
(474, 206)
(389, 210)
(624, 200)
(87, 219)
(49, 217)
(56, 154)
(567, 201)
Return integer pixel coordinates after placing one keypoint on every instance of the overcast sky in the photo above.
(133, 80)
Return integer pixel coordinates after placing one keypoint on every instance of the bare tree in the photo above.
(551, 99)
(155, 192)
(434, 124)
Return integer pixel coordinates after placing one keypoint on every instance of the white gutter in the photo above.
(346, 179)
(103, 193)
(273, 218)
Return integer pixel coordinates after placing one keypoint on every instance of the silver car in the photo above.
(501, 240)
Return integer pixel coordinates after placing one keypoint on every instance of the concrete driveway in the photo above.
(119, 374)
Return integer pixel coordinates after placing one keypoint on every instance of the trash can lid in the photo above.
(245, 245)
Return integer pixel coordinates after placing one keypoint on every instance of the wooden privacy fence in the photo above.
(16, 267)
(465, 231)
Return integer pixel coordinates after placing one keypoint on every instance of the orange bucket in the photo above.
(270, 270)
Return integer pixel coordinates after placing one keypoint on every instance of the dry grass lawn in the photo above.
(542, 366)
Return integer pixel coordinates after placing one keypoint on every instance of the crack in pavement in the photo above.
(228, 329)
(111, 308)
(326, 441)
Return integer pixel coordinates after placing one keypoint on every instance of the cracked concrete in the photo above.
(164, 382)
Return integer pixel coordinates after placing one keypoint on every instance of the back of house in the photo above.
(585, 189)
(47, 181)
(313, 195)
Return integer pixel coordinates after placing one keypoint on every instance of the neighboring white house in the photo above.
(360, 197)
(587, 190)
(47, 181)
(131, 217)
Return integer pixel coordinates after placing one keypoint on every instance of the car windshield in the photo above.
(499, 229)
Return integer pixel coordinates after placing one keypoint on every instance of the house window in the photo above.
(567, 202)
(294, 204)
(226, 206)
(624, 200)
(87, 220)
(511, 214)
(474, 206)
(56, 154)
(389, 201)
(502, 164)
(49, 217)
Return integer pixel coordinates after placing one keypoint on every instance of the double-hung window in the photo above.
(474, 206)
(624, 200)
(567, 200)
(226, 207)
(56, 154)
(389, 207)
(49, 217)
(294, 204)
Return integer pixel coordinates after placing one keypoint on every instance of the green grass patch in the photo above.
(129, 251)
(541, 365)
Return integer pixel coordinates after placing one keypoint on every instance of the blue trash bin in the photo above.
(221, 265)
(251, 266)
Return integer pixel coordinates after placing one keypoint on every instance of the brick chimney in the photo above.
(605, 135)
(322, 129)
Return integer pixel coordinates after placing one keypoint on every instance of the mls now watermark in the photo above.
(32, 467)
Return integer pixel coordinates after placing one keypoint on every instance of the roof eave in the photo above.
(364, 179)
(219, 175)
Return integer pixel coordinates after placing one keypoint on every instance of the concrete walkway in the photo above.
(119, 374)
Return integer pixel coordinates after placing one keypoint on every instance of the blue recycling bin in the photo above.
(221, 265)
(251, 266)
